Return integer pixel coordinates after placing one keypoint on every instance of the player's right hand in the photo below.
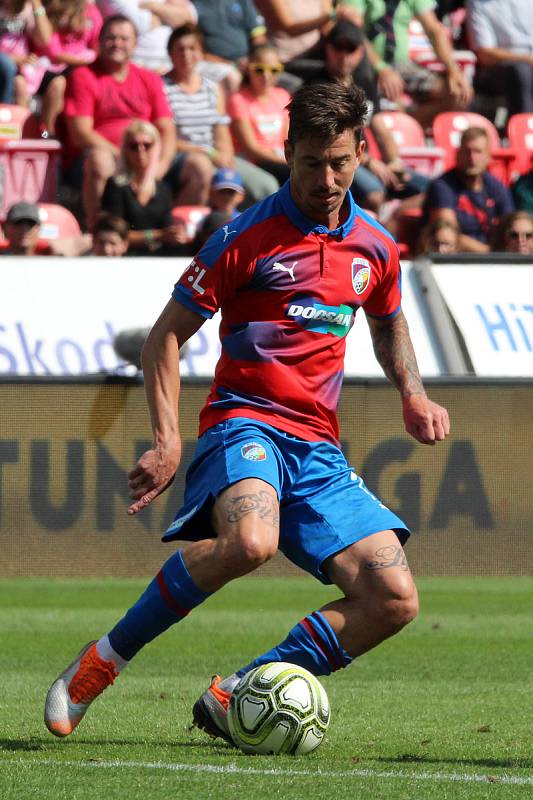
(153, 473)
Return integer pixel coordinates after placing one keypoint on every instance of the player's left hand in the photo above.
(425, 420)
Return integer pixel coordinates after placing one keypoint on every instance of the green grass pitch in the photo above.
(443, 710)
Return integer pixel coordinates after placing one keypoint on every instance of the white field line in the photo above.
(233, 769)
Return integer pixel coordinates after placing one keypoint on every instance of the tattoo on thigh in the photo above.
(389, 556)
(261, 503)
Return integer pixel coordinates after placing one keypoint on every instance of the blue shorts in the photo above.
(324, 505)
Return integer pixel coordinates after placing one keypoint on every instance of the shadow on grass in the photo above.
(506, 763)
(46, 743)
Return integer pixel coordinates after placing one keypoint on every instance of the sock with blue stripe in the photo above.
(166, 600)
(311, 644)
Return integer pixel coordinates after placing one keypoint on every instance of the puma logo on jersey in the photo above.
(277, 267)
(227, 231)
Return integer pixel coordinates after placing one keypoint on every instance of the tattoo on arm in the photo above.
(394, 351)
(261, 503)
(387, 557)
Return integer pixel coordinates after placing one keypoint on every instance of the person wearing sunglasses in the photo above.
(137, 196)
(515, 234)
(259, 119)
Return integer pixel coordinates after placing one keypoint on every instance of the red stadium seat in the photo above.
(448, 128)
(28, 171)
(191, 216)
(18, 123)
(414, 151)
(57, 222)
(520, 135)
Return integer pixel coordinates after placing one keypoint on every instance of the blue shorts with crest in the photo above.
(324, 505)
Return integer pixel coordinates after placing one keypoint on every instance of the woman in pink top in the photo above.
(76, 26)
(259, 118)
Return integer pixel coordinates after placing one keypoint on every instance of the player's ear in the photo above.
(289, 152)
(360, 149)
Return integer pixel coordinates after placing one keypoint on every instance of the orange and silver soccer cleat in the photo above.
(72, 693)
(210, 712)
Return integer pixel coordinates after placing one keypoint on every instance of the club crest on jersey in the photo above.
(253, 452)
(360, 275)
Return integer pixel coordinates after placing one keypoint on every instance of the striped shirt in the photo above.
(195, 115)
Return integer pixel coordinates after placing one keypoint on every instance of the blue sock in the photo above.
(311, 644)
(166, 600)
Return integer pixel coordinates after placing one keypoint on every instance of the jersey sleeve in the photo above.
(386, 298)
(214, 276)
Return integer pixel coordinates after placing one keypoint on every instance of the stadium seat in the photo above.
(414, 151)
(448, 128)
(28, 171)
(57, 222)
(191, 217)
(17, 122)
(421, 50)
(520, 135)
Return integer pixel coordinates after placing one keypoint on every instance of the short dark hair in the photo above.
(116, 19)
(188, 29)
(326, 110)
(109, 223)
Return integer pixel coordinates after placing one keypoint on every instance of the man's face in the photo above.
(342, 58)
(118, 43)
(473, 157)
(109, 243)
(321, 173)
(22, 236)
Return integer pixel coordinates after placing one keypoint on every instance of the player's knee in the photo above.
(254, 549)
(400, 608)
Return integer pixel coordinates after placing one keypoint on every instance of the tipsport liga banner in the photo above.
(65, 450)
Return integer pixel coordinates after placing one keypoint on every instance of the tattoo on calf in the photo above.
(261, 503)
(390, 556)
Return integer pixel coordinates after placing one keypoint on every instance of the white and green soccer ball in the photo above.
(278, 708)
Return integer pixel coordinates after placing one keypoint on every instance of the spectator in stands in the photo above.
(229, 28)
(501, 35)
(440, 236)
(227, 192)
(468, 195)
(76, 26)
(204, 141)
(387, 28)
(523, 192)
(110, 236)
(514, 234)
(154, 22)
(376, 179)
(137, 196)
(259, 119)
(21, 229)
(294, 28)
(23, 26)
(101, 99)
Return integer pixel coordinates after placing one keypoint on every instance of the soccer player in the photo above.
(288, 274)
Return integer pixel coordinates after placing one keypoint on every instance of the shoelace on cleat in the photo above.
(221, 695)
(93, 676)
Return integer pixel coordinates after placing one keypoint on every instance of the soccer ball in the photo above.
(278, 708)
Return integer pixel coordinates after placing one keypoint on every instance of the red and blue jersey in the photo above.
(288, 290)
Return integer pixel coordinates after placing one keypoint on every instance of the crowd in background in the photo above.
(163, 107)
